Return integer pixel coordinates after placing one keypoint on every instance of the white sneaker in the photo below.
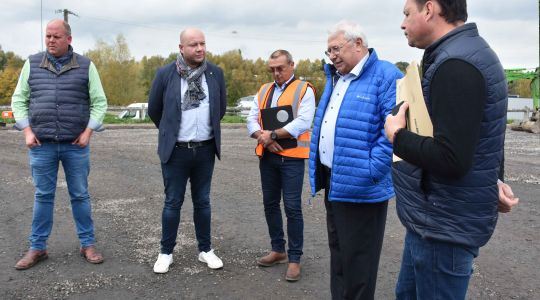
(210, 259)
(163, 262)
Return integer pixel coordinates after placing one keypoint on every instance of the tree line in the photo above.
(126, 80)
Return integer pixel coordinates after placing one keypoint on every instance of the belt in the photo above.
(193, 144)
(55, 142)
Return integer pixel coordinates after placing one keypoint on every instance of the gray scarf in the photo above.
(195, 93)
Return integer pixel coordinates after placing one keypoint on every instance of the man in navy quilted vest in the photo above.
(350, 158)
(447, 186)
(58, 103)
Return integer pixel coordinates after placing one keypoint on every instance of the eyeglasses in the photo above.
(336, 49)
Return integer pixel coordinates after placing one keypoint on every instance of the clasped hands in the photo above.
(267, 142)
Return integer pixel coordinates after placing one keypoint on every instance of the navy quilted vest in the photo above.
(59, 101)
(461, 211)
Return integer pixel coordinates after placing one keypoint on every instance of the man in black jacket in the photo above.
(187, 102)
(447, 185)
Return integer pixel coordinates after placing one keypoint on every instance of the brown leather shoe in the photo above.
(293, 272)
(91, 255)
(272, 258)
(31, 258)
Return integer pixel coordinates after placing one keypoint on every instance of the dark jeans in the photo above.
(355, 237)
(283, 176)
(197, 165)
(434, 270)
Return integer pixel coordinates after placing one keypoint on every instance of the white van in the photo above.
(245, 104)
(137, 111)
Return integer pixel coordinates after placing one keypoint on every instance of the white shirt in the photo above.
(195, 125)
(328, 125)
(296, 127)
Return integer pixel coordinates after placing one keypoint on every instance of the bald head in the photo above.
(189, 33)
(57, 37)
(192, 46)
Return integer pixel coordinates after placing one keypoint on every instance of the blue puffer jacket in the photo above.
(362, 154)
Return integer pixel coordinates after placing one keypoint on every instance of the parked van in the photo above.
(137, 111)
(245, 104)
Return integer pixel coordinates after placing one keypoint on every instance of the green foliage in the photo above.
(242, 76)
(10, 59)
(120, 74)
(149, 67)
(535, 89)
(8, 121)
(233, 119)
(313, 73)
(521, 87)
(523, 82)
(8, 81)
(112, 119)
(10, 68)
(402, 66)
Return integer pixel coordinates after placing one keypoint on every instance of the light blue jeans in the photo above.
(44, 162)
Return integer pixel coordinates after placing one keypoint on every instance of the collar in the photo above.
(356, 70)
(468, 28)
(285, 84)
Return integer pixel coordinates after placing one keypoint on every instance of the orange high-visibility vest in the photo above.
(292, 95)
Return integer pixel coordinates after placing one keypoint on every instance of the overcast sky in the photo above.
(257, 27)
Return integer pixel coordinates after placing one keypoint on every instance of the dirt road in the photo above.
(127, 192)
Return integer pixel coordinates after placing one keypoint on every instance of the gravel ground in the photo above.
(127, 194)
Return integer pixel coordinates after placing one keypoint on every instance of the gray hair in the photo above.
(281, 52)
(350, 30)
(67, 28)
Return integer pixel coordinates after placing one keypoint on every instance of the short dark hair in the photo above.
(453, 11)
(281, 52)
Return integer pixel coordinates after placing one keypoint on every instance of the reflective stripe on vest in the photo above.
(292, 95)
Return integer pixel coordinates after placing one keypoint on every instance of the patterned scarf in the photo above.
(60, 62)
(195, 93)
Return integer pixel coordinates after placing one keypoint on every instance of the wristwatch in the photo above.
(273, 135)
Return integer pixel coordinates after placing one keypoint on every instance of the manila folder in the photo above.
(409, 89)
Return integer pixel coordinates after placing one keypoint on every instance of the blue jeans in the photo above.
(434, 270)
(197, 165)
(282, 175)
(44, 162)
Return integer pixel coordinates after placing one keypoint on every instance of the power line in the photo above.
(232, 34)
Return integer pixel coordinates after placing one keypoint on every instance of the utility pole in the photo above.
(66, 13)
(41, 22)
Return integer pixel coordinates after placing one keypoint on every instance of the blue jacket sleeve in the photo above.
(381, 152)
(155, 98)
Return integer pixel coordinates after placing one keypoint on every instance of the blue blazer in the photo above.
(164, 106)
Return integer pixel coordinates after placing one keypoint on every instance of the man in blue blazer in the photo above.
(186, 103)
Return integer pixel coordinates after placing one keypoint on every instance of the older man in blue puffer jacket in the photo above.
(350, 158)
